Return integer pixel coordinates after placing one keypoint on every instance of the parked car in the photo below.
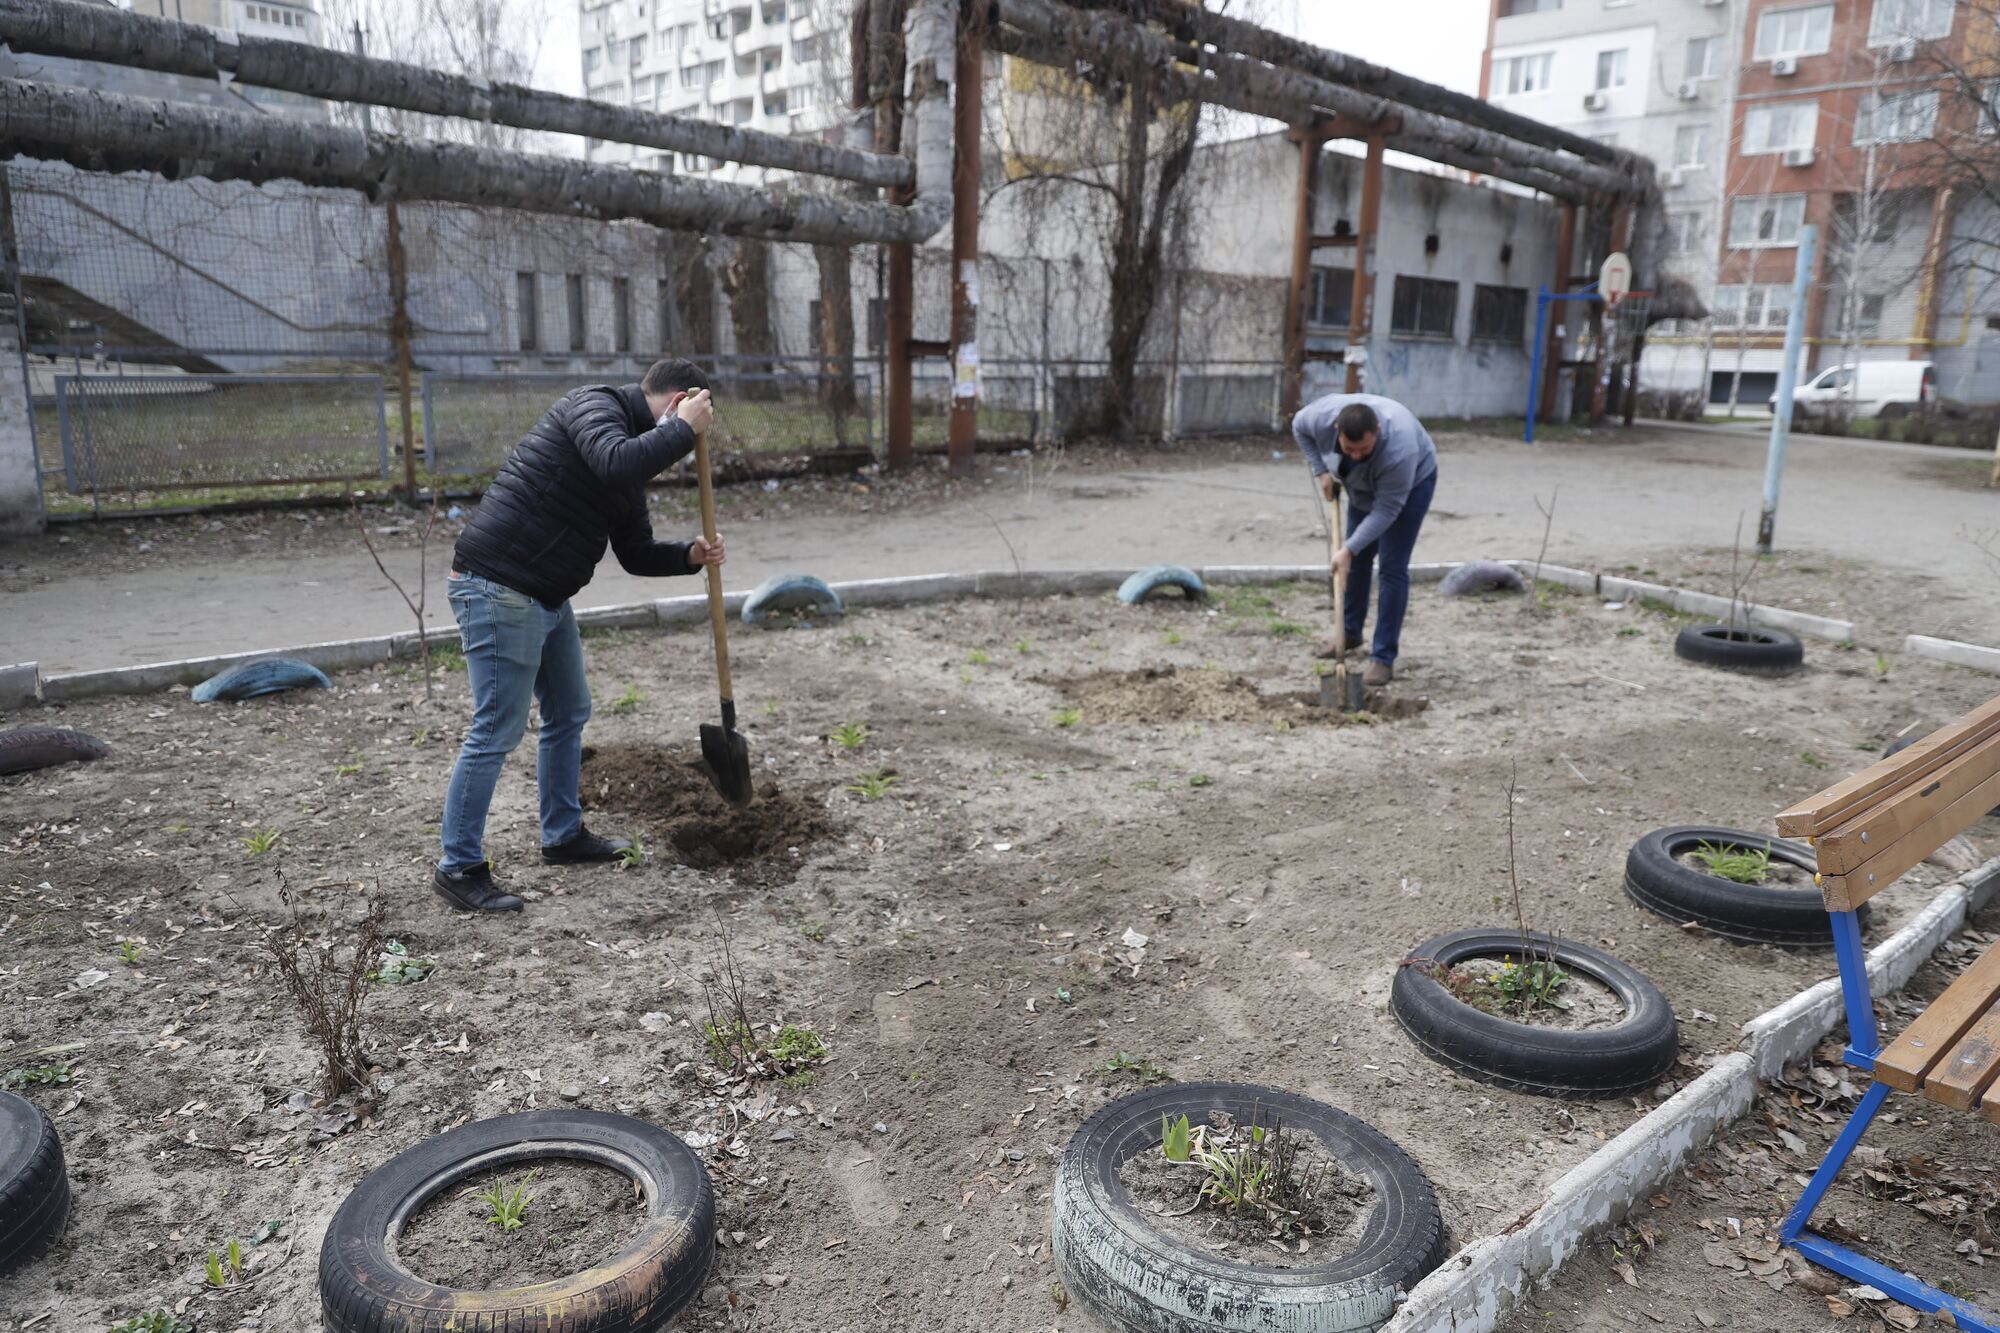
(1867, 389)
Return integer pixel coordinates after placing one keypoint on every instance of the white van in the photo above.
(1867, 389)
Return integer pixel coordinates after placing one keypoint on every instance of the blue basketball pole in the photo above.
(1788, 380)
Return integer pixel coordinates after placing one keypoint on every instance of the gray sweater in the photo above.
(1379, 485)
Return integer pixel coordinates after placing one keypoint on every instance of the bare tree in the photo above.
(415, 604)
(496, 40)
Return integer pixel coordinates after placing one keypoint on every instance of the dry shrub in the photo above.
(328, 984)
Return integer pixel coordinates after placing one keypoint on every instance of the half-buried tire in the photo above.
(1134, 1278)
(364, 1288)
(25, 749)
(1780, 914)
(34, 1187)
(1634, 1053)
(1766, 652)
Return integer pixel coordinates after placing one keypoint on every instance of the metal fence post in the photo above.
(1788, 378)
(382, 425)
(63, 430)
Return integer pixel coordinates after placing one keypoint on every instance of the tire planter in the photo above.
(1148, 583)
(1481, 576)
(1765, 652)
(253, 680)
(34, 1187)
(365, 1289)
(1553, 1062)
(1747, 913)
(25, 749)
(1130, 1277)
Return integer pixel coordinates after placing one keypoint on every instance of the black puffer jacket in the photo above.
(575, 482)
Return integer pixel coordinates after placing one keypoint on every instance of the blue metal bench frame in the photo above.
(1864, 1043)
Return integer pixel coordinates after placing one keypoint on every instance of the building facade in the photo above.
(772, 65)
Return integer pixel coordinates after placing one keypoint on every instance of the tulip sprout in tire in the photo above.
(1323, 1222)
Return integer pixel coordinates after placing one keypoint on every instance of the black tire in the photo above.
(1769, 652)
(1129, 1277)
(1594, 1062)
(25, 749)
(364, 1289)
(34, 1187)
(1747, 913)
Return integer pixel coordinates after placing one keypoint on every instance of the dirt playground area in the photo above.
(1008, 860)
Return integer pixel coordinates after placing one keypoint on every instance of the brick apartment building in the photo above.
(1870, 118)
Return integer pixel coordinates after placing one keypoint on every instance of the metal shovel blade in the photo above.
(1343, 691)
(726, 756)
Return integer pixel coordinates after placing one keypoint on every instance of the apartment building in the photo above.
(759, 64)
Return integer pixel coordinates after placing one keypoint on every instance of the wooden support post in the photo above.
(399, 331)
(1309, 144)
(964, 437)
(1559, 317)
(1607, 321)
(899, 301)
(1364, 259)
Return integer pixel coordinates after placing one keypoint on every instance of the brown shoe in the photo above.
(1378, 674)
(1325, 648)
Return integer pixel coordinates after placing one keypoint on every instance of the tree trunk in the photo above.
(836, 336)
(746, 280)
(694, 295)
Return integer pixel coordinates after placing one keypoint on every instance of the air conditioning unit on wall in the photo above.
(1785, 66)
(1689, 90)
(1596, 101)
(1673, 178)
(1798, 157)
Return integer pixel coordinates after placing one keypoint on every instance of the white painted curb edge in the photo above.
(1975, 655)
(1477, 1288)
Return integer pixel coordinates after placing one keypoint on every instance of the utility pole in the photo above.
(1788, 379)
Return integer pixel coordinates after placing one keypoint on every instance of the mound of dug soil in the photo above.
(665, 789)
(1170, 694)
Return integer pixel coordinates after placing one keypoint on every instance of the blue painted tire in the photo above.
(1481, 576)
(251, 679)
(791, 592)
(1147, 582)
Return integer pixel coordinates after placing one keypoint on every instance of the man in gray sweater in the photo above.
(1382, 454)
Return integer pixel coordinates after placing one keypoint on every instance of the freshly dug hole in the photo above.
(1170, 694)
(579, 1214)
(664, 788)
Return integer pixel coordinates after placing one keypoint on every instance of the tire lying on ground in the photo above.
(34, 1187)
(1770, 652)
(24, 749)
(1481, 576)
(1748, 913)
(1132, 1277)
(1591, 1062)
(253, 680)
(365, 1289)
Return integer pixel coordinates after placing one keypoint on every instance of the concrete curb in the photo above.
(1477, 1288)
(1975, 655)
(20, 685)
(1708, 604)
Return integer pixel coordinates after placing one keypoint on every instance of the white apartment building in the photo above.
(760, 64)
(1657, 77)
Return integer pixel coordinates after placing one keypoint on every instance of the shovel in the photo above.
(1340, 690)
(724, 753)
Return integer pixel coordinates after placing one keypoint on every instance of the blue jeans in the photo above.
(1395, 547)
(516, 650)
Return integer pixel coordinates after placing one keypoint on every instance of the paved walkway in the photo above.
(1651, 492)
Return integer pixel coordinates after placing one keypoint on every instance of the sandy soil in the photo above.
(956, 928)
(1920, 1194)
(575, 1214)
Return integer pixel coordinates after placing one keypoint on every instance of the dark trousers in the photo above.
(1394, 548)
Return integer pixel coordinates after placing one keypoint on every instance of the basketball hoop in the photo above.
(1614, 280)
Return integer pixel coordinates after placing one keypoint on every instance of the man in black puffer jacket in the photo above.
(576, 483)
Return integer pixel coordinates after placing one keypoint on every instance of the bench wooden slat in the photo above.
(1926, 1041)
(1827, 810)
(1894, 817)
(1989, 1105)
(1845, 892)
(1969, 1068)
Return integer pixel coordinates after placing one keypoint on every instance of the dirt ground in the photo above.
(979, 907)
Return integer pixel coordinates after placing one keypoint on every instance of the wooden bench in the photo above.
(1866, 832)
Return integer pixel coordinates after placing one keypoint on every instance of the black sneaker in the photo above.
(473, 889)
(585, 848)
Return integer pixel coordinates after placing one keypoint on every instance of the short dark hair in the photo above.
(671, 376)
(1355, 421)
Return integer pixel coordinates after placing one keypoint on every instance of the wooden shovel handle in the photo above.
(718, 619)
(1339, 587)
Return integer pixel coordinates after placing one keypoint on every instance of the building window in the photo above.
(621, 313)
(1868, 317)
(1857, 218)
(1989, 108)
(1797, 32)
(1499, 314)
(1683, 233)
(1690, 145)
(774, 104)
(1764, 306)
(1509, 8)
(1704, 58)
(1611, 69)
(663, 304)
(1332, 303)
(638, 51)
(573, 290)
(805, 49)
(1424, 307)
(1780, 128)
(1515, 75)
(1895, 117)
(1906, 20)
(774, 11)
(1766, 220)
(527, 312)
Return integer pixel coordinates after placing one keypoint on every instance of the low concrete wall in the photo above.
(20, 471)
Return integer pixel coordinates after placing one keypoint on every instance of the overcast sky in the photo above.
(1438, 40)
